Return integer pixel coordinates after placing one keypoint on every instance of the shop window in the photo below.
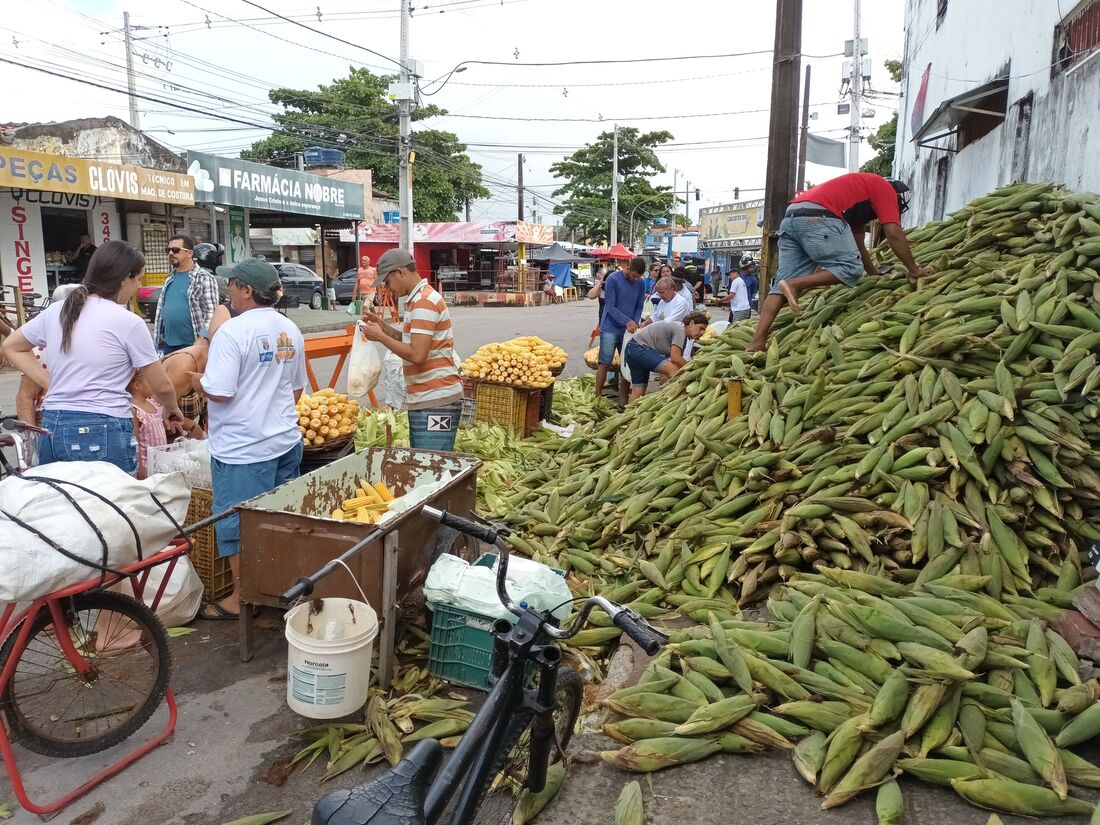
(154, 240)
(307, 255)
(1077, 37)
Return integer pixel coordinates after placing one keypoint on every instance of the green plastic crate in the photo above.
(461, 646)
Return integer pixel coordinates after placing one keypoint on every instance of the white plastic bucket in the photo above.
(328, 657)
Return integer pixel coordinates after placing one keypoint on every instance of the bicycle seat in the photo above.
(395, 798)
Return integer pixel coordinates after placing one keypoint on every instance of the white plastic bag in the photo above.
(396, 389)
(453, 581)
(624, 370)
(182, 596)
(30, 567)
(364, 366)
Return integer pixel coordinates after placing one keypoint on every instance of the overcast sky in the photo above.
(238, 61)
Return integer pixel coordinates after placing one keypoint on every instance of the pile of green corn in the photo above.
(947, 425)
(863, 678)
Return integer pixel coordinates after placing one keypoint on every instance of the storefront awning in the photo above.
(944, 121)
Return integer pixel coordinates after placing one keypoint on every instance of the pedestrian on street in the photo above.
(660, 348)
(95, 345)
(624, 294)
(737, 298)
(672, 306)
(821, 240)
(254, 376)
(750, 274)
(187, 300)
(596, 292)
(426, 344)
(365, 278)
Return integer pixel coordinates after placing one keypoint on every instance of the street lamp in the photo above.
(635, 209)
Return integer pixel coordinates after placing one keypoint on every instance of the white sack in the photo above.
(364, 365)
(29, 567)
(182, 595)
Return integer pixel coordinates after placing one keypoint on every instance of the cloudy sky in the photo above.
(222, 57)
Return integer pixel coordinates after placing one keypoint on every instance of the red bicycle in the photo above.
(84, 667)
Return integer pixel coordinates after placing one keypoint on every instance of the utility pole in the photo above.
(615, 186)
(782, 135)
(803, 137)
(856, 89)
(404, 183)
(131, 84)
(687, 201)
(467, 210)
(519, 186)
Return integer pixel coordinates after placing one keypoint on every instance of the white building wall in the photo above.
(979, 41)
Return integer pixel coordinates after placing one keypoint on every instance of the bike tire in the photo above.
(496, 806)
(31, 728)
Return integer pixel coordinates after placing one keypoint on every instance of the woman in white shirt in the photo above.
(97, 344)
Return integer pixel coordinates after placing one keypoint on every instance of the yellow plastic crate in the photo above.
(213, 570)
(505, 405)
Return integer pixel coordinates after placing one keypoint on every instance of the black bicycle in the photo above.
(521, 729)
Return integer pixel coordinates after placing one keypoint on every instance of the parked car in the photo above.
(345, 286)
(302, 283)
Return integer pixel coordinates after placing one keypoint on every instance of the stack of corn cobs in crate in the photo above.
(917, 466)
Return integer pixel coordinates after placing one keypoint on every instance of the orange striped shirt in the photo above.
(436, 382)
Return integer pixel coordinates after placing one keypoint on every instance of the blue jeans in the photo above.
(168, 349)
(84, 436)
(808, 244)
(234, 483)
(434, 428)
(642, 361)
(610, 343)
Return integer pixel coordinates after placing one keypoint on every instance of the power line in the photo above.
(323, 34)
(609, 119)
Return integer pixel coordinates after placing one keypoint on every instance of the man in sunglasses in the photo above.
(187, 300)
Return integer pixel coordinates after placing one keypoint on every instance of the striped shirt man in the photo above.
(436, 382)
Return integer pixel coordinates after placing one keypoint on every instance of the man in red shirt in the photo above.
(821, 240)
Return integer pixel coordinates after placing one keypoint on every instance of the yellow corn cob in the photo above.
(369, 491)
(339, 515)
(356, 503)
(383, 491)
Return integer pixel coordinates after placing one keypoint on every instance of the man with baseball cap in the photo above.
(426, 345)
(255, 373)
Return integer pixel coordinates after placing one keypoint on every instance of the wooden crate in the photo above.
(213, 570)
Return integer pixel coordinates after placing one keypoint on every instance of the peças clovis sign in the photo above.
(233, 182)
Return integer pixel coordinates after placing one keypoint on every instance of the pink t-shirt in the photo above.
(108, 343)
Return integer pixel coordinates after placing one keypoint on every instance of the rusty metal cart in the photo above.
(289, 533)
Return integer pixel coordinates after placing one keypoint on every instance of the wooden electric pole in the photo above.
(804, 133)
(782, 132)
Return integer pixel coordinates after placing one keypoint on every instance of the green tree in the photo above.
(883, 140)
(355, 114)
(587, 187)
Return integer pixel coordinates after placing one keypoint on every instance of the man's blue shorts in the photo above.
(642, 360)
(807, 244)
(610, 343)
(234, 483)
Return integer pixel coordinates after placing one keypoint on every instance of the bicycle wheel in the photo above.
(52, 710)
(509, 775)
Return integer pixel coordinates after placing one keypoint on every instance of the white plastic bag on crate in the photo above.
(624, 370)
(182, 596)
(30, 567)
(394, 369)
(453, 581)
(364, 365)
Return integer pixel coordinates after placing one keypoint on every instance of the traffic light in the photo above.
(696, 193)
(737, 193)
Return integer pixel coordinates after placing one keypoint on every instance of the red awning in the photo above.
(618, 252)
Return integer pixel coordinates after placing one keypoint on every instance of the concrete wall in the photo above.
(108, 139)
(978, 41)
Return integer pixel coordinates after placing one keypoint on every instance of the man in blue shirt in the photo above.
(749, 274)
(624, 295)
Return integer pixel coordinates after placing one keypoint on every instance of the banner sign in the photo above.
(20, 169)
(472, 232)
(233, 182)
(732, 226)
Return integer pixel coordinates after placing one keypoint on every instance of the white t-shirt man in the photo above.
(257, 361)
(687, 294)
(673, 310)
(739, 295)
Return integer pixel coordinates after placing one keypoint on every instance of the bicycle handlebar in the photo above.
(644, 634)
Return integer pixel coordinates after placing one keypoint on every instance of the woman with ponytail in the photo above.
(97, 344)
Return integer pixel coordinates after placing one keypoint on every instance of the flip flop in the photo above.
(220, 614)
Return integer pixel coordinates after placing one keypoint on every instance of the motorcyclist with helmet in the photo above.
(821, 240)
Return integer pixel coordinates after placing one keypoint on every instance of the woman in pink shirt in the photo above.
(97, 344)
